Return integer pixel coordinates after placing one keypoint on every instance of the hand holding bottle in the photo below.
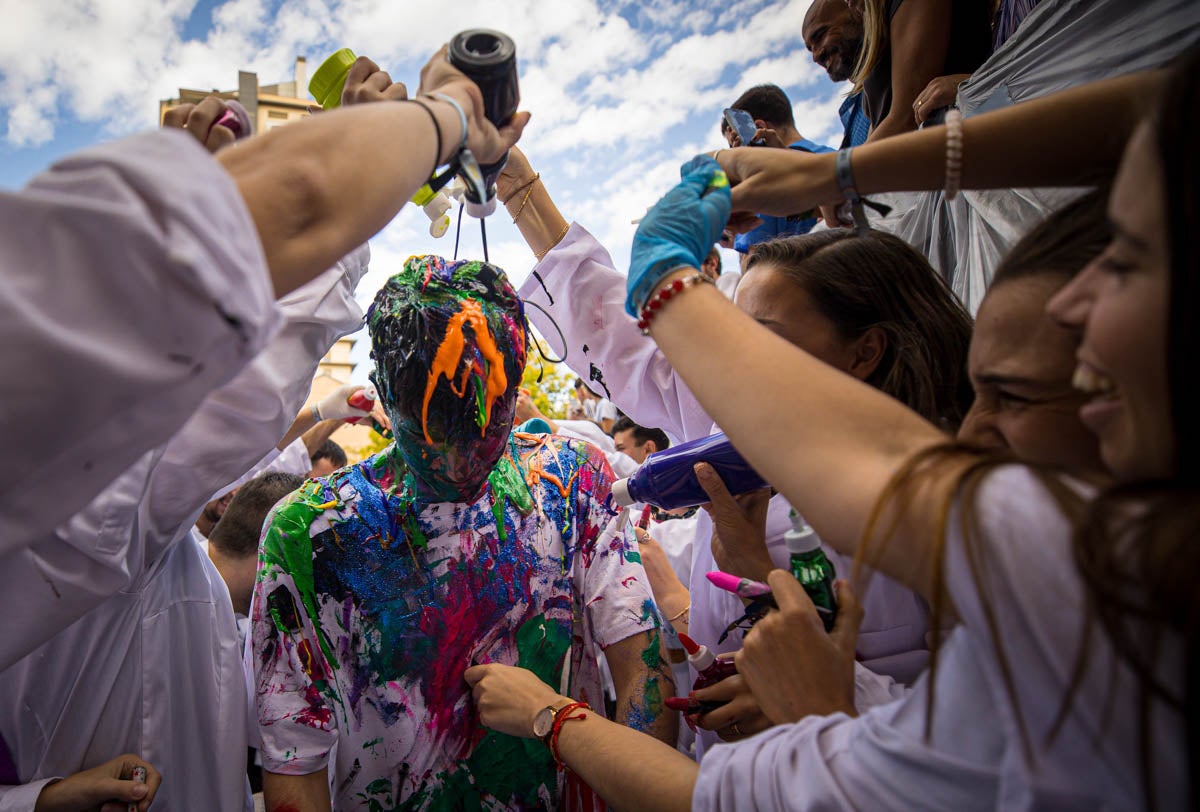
(679, 229)
(793, 667)
(739, 541)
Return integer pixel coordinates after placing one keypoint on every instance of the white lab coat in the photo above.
(135, 284)
(155, 668)
(577, 283)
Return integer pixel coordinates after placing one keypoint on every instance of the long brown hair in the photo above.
(878, 280)
(1165, 555)
(1136, 545)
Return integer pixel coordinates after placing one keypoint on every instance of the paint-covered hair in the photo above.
(448, 342)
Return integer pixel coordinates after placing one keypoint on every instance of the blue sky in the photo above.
(621, 92)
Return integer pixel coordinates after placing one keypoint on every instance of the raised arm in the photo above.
(1068, 138)
(320, 187)
(527, 200)
(827, 441)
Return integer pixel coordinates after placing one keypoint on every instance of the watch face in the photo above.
(543, 723)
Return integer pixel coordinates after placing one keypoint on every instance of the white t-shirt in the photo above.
(365, 617)
(976, 758)
(605, 410)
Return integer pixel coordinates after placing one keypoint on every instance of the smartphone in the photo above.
(742, 123)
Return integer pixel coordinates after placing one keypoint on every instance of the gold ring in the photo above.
(735, 730)
(919, 102)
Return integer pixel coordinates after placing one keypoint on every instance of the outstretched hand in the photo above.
(669, 592)
(793, 667)
(484, 139)
(200, 122)
(337, 404)
(679, 229)
(779, 181)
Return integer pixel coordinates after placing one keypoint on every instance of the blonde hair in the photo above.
(875, 40)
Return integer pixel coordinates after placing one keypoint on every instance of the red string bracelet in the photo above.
(664, 295)
(564, 715)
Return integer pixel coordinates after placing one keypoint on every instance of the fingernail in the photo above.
(702, 469)
(138, 791)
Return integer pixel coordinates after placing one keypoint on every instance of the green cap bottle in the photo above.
(329, 79)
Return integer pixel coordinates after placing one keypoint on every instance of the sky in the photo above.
(622, 92)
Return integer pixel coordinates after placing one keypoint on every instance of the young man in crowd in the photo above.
(637, 441)
(462, 543)
(776, 126)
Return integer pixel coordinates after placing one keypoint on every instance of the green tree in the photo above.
(550, 385)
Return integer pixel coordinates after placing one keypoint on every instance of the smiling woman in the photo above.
(1021, 360)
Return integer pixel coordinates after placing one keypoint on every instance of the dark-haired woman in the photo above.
(868, 306)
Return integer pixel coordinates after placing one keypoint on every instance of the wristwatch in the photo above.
(543, 723)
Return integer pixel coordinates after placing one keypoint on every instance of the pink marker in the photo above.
(138, 776)
(235, 118)
(742, 587)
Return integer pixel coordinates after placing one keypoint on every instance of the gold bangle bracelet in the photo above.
(517, 190)
(680, 614)
(529, 191)
(554, 242)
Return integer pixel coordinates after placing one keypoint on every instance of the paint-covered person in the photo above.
(461, 543)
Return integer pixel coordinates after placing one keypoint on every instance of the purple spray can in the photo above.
(667, 479)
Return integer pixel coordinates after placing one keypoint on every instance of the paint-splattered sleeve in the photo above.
(289, 670)
(616, 591)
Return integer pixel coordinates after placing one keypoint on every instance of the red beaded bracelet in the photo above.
(560, 718)
(664, 295)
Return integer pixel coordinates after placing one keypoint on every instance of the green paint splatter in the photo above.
(288, 547)
(511, 770)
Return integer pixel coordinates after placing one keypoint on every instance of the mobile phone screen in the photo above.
(741, 123)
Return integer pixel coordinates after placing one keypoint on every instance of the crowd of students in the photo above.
(467, 620)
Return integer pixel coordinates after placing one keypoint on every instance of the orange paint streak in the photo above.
(538, 473)
(536, 470)
(449, 357)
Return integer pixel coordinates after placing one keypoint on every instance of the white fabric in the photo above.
(975, 757)
(677, 538)
(154, 666)
(588, 296)
(623, 465)
(605, 410)
(105, 547)
(134, 284)
(293, 459)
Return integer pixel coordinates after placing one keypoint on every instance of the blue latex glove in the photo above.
(680, 229)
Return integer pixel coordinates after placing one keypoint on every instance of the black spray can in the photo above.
(489, 59)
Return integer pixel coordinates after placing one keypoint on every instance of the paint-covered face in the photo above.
(448, 342)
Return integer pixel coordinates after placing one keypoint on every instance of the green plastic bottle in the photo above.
(326, 86)
(812, 568)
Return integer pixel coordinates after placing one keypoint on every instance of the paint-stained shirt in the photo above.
(368, 609)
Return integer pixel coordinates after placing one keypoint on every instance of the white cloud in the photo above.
(621, 91)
